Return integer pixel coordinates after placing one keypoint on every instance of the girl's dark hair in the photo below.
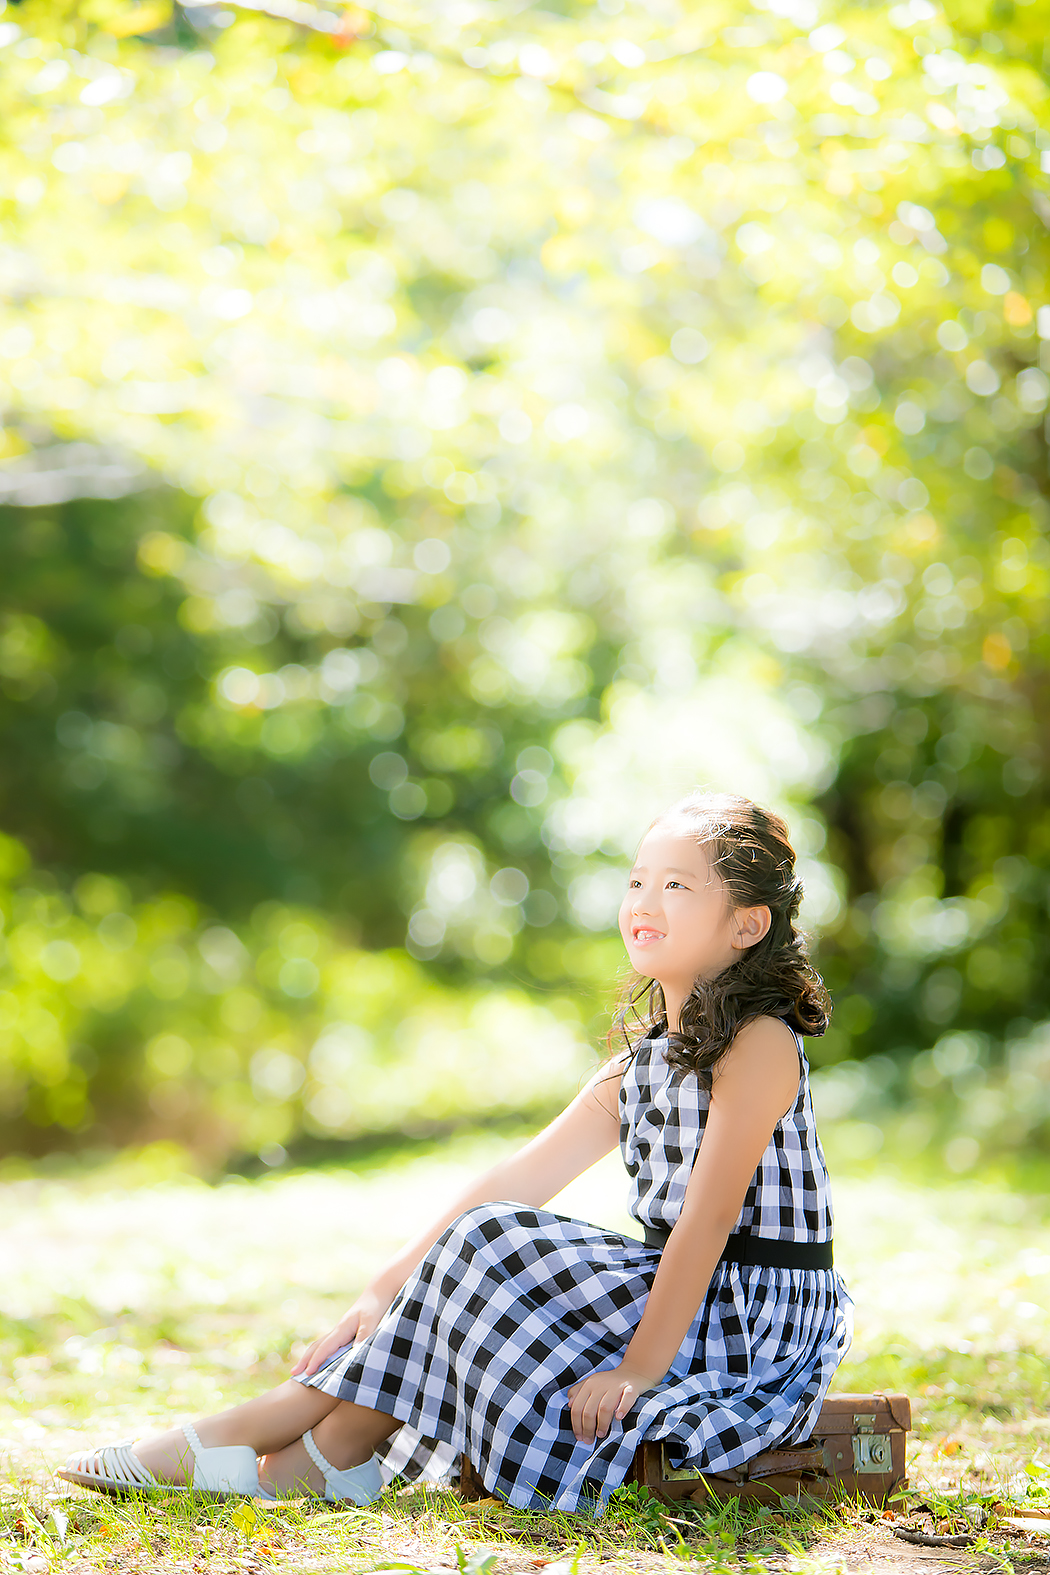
(749, 849)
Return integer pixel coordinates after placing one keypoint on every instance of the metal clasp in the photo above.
(872, 1452)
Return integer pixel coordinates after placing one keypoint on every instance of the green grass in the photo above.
(126, 1305)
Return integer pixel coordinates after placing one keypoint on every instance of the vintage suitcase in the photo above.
(857, 1449)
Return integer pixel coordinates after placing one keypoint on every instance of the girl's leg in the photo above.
(268, 1423)
(347, 1436)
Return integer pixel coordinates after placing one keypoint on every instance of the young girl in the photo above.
(547, 1349)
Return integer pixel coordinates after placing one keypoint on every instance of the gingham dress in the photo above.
(512, 1305)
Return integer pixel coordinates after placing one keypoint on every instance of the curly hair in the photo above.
(749, 848)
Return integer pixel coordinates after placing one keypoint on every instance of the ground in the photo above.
(126, 1302)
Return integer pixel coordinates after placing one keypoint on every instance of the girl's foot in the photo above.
(221, 1458)
(228, 1470)
(301, 1467)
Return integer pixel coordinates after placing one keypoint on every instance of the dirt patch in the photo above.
(874, 1550)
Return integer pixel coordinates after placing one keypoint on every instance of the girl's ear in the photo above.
(750, 925)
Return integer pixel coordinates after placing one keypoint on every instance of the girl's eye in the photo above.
(677, 883)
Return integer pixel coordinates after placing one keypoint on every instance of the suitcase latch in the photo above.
(872, 1452)
(864, 1421)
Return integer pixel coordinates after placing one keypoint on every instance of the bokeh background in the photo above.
(435, 436)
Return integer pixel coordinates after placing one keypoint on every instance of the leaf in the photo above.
(246, 1518)
(478, 1564)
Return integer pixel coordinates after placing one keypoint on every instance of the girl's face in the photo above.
(676, 920)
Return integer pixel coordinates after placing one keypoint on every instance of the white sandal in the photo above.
(360, 1484)
(228, 1471)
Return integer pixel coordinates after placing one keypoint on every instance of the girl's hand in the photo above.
(596, 1400)
(356, 1324)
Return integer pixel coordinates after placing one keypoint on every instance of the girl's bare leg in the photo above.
(346, 1437)
(268, 1423)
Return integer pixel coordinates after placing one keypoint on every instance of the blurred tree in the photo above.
(517, 418)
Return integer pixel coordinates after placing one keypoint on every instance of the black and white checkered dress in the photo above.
(513, 1304)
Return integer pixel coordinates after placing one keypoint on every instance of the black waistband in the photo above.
(765, 1252)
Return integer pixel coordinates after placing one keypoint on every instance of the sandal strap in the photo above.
(118, 1463)
(359, 1484)
(223, 1468)
(325, 1467)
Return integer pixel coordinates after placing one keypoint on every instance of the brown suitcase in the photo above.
(857, 1448)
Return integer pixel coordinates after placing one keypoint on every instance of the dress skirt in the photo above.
(513, 1305)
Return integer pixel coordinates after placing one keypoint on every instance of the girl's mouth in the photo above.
(645, 937)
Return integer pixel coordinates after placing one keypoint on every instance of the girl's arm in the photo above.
(755, 1087)
(584, 1132)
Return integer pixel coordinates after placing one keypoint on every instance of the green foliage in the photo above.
(474, 1564)
(429, 442)
(136, 1020)
(639, 1513)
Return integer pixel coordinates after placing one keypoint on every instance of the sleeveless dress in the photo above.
(512, 1305)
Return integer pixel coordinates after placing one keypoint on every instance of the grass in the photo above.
(125, 1305)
